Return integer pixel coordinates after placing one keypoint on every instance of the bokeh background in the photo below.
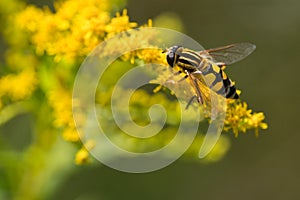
(266, 167)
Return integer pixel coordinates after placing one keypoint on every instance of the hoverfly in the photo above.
(205, 69)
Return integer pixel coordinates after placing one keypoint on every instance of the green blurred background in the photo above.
(267, 167)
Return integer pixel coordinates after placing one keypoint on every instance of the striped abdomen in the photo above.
(214, 76)
(219, 82)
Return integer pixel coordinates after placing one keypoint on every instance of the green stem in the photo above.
(44, 164)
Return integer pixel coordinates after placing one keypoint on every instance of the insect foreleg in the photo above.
(190, 101)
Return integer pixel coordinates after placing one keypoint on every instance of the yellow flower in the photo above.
(152, 56)
(73, 30)
(240, 118)
(71, 134)
(26, 19)
(61, 102)
(255, 122)
(119, 23)
(82, 156)
(18, 86)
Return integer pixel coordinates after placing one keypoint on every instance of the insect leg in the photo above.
(176, 74)
(185, 77)
(190, 102)
(169, 80)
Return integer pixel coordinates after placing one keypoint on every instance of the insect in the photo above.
(205, 69)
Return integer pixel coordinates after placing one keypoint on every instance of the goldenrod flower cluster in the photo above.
(240, 119)
(74, 29)
(18, 86)
(58, 40)
(68, 34)
(61, 101)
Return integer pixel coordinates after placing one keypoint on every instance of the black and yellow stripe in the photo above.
(215, 78)
(230, 89)
(188, 60)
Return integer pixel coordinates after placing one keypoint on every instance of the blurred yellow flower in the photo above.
(75, 29)
(82, 156)
(61, 102)
(71, 134)
(18, 86)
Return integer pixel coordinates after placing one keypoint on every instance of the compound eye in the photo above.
(170, 59)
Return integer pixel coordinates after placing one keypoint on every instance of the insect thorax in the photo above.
(188, 60)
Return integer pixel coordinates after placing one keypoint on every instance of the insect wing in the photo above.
(207, 95)
(229, 54)
(201, 89)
